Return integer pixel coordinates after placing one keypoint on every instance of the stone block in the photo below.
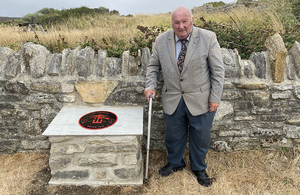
(101, 62)
(55, 64)
(15, 114)
(273, 117)
(59, 163)
(294, 120)
(4, 53)
(127, 148)
(67, 98)
(67, 149)
(130, 159)
(6, 106)
(8, 146)
(266, 132)
(144, 61)
(113, 67)
(67, 87)
(10, 98)
(68, 62)
(73, 175)
(260, 64)
(229, 58)
(31, 127)
(85, 62)
(47, 87)
(225, 109)
(292, 131)
(275, 44)
(95, 91)
(41, 98)
(125, 63)
(231, 95)
(297, 92)
(128, 173)
(259, 98)
(17, 87)
(98, 160)
(13, 66)
(249, 69)
(282, 87)
(35, 144)
(278, 54)
(252, 86)
(295, 53)
(103, 149)
(240, 133)
(244, 118)
(35, 58)
(290, 68)
(278, 68)
(221, 146)
(283, 95)
(133, 66)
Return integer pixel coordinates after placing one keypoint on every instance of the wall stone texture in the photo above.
(260, 103)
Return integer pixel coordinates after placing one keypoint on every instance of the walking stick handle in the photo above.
(151, 96)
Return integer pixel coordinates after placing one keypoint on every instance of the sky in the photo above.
(19, 8)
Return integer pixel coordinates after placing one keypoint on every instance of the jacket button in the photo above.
(181, 80)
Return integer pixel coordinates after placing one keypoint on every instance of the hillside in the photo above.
(3, 19)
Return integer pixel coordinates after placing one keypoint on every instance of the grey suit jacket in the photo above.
(202, 77)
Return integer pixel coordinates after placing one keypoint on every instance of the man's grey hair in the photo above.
(185, 8)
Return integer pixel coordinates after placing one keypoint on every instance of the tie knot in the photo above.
(183, 41)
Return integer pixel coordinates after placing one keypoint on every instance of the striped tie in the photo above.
(181, 56)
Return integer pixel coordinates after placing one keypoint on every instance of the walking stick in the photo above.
(148, 137)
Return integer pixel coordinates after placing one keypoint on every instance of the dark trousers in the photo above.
(178, 125)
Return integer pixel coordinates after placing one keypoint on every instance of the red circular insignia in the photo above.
(98, 120)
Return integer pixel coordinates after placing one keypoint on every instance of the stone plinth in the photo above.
(109, 156)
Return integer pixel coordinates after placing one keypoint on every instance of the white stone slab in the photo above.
(130, 122)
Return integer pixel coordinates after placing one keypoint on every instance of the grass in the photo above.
(18, 172)
(241, 172)
(235, 27)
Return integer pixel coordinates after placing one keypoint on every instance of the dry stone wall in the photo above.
(260, 103)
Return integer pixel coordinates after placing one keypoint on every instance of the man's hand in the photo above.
(148, 92)
(213, 106)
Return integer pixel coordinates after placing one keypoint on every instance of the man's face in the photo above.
(181, 23)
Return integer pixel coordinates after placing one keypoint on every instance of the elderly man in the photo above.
(191, 62)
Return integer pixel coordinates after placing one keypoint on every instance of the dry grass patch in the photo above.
(241, 172)
(18, 172)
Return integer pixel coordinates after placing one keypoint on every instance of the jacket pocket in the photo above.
(205, 87)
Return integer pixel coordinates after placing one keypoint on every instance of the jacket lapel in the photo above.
(193, 42)
(171, 49)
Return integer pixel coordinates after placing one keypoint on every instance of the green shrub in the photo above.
(296, 10)
(56, 16)
(217, 4)
(103, 10)
(45, 10)
(32, 18)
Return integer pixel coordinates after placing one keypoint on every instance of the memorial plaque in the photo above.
(98, 120)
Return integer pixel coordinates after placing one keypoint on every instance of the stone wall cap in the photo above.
(66, 123)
